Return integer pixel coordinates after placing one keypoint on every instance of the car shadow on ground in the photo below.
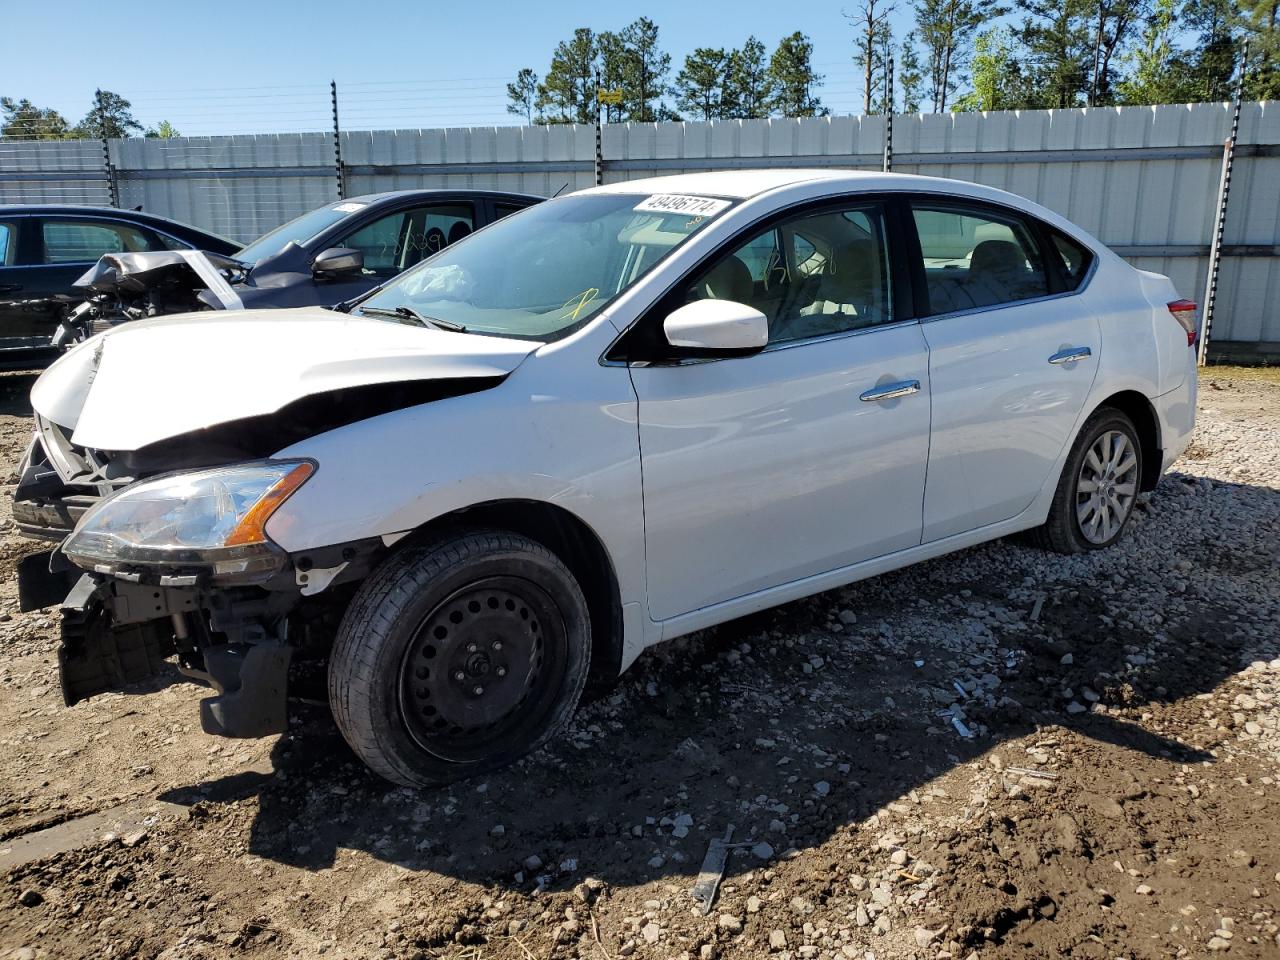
(788, 742)
(15, 393)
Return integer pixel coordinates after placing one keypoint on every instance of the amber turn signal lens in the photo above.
(252, 529)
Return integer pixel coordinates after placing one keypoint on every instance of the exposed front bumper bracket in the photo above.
(252, 684)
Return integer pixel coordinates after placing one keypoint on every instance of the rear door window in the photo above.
(8, 244)
(977, 258)
(71, 241)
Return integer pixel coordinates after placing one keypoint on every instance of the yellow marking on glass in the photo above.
(575, 304)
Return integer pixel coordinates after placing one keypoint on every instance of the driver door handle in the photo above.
(1071, 355)
(891, 391)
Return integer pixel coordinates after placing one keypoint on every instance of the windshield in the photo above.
(298, 230)
(544, 272)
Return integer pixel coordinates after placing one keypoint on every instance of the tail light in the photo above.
(1188, 316)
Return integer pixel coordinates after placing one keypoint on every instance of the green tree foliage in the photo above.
(947, 29)
(522, 95)
(567, 94)
(645, 70)
(794, 79)
(1114, 21)
(110, 117)
(998, 82)
(750, 82)
(1262, 21)
(1056, 41)
(1156, 74)
(164, 130)
(910, 80)
(702, 87)
(1212, 59)
(23, 120)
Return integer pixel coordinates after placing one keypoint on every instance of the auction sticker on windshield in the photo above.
(349, 207)
(678, 203)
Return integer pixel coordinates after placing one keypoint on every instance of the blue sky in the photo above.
(213, 68)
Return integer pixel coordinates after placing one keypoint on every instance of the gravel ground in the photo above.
(1000, 753)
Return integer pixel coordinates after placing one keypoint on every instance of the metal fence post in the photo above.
(109, 169)
(1220, 218)
(599, 146)
(339, 169)
(888, 115)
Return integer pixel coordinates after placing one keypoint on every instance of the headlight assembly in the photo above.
(203, 523)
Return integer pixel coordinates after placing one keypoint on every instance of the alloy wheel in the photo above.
(1107, 486)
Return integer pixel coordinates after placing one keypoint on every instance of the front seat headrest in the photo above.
(730, 279)
(458, 231)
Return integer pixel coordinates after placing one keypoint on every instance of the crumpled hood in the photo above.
(153, 379)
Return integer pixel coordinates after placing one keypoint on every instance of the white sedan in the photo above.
(611, 419)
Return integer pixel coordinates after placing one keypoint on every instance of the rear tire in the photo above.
(1098, 488)
(459, 656)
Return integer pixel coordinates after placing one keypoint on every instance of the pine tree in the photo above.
(793, 76)
(946, 29)
(910, 79)
(1056, 40)
(1113, 20)
(645, 72)
(701, 85)
(567, 93)
(873, 35)
(23, 120)
(751, 87)
(522, 94)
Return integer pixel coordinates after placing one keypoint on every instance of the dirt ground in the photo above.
(1000, 753)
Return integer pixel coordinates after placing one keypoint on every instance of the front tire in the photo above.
(1098, 488)
(459, 656)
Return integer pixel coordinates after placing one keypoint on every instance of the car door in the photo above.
(1012, 358)
(801, 459)
(13, 283)
(53, 252)
(396, 241)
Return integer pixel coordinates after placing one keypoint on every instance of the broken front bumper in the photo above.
(115, 634)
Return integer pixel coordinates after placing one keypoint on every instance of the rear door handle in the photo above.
(9, 287)
(891, 391)
(1071, 354)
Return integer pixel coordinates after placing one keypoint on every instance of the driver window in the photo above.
(814, 276)
(400, 240)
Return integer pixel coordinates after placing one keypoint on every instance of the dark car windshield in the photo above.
(544, 272)
(298, 230)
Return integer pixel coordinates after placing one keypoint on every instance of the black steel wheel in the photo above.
(485, 662)
(458, 657)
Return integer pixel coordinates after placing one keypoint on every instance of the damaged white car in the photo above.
(613, 418)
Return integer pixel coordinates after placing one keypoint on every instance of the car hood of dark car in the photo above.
(154, 379)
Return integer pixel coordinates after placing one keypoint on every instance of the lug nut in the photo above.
(459, 676)
(477, 690)
(497, 644)
(501, 671)
(471, 648)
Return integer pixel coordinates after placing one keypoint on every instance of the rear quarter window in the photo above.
(1075, 258)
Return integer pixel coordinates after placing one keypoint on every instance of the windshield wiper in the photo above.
(408, 313)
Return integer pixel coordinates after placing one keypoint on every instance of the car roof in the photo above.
(745, 184)
(440, 192)
(175, 227)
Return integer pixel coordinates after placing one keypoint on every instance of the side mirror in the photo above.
(338, 260)
(716, 328)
